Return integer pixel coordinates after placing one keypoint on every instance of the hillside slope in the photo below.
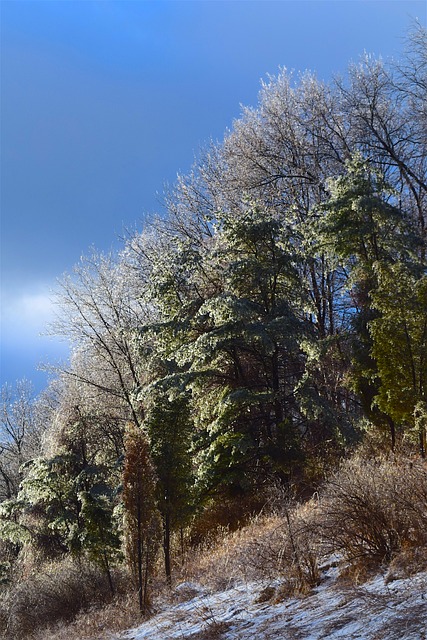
(380, 609)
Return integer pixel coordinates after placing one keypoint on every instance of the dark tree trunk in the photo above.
(166, 547)
(139, 552)
(392, 432)
(108, 572)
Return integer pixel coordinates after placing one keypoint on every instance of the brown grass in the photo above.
(55, 594)
(213, 630)
(371, 512)
(269, 546)
(96, 623)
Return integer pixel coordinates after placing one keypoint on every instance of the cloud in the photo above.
(25, 316)
(24, 344)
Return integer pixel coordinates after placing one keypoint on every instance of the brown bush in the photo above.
(301, 551)
(269, 546)
(371, 508)
(95, 623)
(408, 562)
(57, 593)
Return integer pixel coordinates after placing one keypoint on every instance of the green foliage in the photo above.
(362, 223)
(64, 506)
(249, 334)
(169, 429)
(369, 233)
(399, 337)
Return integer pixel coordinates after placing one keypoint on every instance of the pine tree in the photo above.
(399, 346)
(244, 351)
(365, 228)
(169, 429)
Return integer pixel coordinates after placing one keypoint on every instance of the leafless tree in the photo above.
(100, 313)
(21, 431)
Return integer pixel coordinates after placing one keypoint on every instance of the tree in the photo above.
(365, 229)
(169, 429)
(20, 434)
(100, 315)
(100, 537)
(384, 107)
(242, 345)
(141, 526)
(66, 503)
(399, 336)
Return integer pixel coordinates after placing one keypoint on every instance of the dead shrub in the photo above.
(357, 572)
(97, 622)
(408, 562)
(266, 595)
(55, 594)
(213, 630)
(411, 498)
(371, 508)
(301, 550)
(269, 546)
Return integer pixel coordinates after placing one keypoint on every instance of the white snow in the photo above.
(373, 611)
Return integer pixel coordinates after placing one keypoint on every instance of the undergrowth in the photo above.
(370, 513)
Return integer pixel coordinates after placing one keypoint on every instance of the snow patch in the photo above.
(374, 611)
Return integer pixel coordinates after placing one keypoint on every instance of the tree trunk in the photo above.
(108, 572)
(139, 559)
(166, 547)
(147, 568)
(392, 432)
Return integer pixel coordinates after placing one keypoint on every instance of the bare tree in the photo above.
(385, 108)
(20, 434)
(101, 316)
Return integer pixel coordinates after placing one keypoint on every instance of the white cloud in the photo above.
(25, 316)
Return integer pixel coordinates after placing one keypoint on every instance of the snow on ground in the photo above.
(373, 611)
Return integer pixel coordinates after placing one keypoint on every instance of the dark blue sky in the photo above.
(104, 102)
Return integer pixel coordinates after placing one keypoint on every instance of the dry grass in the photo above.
(248, 553)
(96, 623)
(408, 562)
(269, 546)
(371, 512)
(56, 594)
(213, 630)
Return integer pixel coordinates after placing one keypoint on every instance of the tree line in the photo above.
(269, 319)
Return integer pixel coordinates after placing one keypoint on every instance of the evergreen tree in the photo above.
(64, 506)
(169, 429)
(399, 337)
(244, 351)
(364, 228)
(141, 517)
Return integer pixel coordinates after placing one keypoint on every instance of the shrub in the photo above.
(95, 623)
(280, 544)
(301, 551)
(57, 593)
(371, 508)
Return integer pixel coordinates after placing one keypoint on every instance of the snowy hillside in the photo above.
(380, 609)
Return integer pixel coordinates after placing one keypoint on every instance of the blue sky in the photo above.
(102, 103)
